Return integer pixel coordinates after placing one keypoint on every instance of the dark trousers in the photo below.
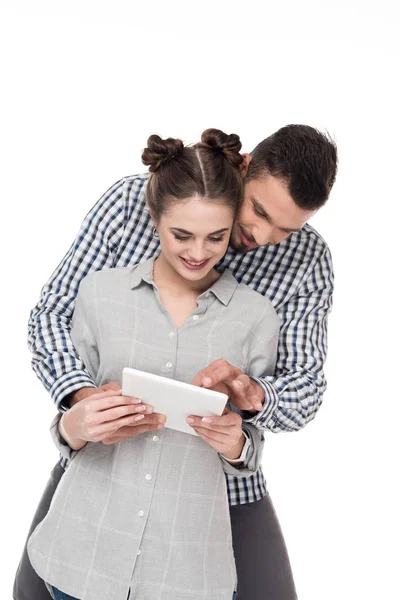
(262, 561)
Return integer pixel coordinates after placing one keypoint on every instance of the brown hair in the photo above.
(303, 158)
(209, 169)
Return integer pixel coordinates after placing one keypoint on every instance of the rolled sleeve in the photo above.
(252, 461)
(270, 403)
(67, 384)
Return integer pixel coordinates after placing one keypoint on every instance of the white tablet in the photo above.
(175, 399)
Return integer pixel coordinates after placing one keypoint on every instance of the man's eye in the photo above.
(215, 239)
(181, 238)
(258, 213)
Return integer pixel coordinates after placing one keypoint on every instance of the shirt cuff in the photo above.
(262, 417)
(65, 450)
(68, 383)
(243, 455)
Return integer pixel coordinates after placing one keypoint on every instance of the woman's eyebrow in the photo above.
(190, 233)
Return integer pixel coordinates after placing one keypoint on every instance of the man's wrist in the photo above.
(78, 395)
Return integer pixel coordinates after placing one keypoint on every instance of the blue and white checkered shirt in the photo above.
(296, 275)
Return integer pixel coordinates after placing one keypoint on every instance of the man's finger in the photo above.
(225, 373)
(217, 371)
(249, 391)
(241, 383)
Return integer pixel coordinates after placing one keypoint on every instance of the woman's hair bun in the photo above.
(159, 151)
(228, 145)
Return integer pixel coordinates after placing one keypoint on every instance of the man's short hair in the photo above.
(303, 158)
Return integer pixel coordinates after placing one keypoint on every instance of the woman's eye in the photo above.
(181, 239)
(214, 239)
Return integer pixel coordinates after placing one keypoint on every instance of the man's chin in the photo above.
(239, 247)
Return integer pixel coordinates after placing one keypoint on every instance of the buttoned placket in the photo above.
(149, 474)
(203, 301)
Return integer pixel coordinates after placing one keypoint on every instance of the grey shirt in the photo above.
(151, 514)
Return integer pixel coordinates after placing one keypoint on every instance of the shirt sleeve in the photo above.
(84, 341)
(293, 394)
(252, 460)
(63, 447)
(54, 358)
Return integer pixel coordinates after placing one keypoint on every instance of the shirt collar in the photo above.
(223, 288)
(143, 272)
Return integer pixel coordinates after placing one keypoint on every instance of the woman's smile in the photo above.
(194, 266)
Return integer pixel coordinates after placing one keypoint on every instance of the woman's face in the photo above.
(194, 235)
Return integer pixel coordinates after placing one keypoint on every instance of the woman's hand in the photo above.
(222, 433)
(100, 415)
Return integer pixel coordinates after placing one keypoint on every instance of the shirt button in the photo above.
(195, 317)
(139, 552)
(156, 438)
(141, 513)
(169, 365)
(148, 477)
(171, 334)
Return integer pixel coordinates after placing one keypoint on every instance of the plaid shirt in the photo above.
(296, 275)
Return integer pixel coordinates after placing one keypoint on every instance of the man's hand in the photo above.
(222, 433)
(221, 376)
(107, 416)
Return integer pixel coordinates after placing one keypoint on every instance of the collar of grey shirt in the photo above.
(223, 288)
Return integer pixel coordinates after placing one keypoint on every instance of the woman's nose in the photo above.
(196, 253)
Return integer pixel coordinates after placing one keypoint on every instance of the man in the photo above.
(288, 177)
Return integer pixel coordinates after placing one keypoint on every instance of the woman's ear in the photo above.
(153, 219)
(245, 164)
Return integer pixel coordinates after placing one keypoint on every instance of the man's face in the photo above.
(268, 215)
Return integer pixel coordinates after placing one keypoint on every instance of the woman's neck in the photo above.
(165, 277)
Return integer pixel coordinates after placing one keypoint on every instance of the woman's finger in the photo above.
(112, 414)
(222, 423)
(221, 438)
(109, 399)
(124, 433)
(98, 432)
(219, 446)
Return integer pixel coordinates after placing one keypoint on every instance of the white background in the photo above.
(83, 85)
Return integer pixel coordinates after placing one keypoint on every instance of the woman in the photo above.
(149, 516)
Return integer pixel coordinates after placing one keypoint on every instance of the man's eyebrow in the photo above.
(265, 215)
(190, 233)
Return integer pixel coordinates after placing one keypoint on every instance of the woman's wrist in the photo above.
(74, 443)
(235, 452)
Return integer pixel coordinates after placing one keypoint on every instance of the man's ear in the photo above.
(245, 164)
